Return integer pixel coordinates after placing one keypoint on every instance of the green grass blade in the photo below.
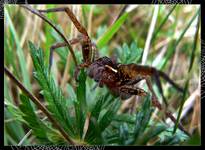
(14, 128)
(189, 71)
(9, 53)
(81, 90)
(7, 94)
(125, 118)
(172, 50)
(111, 31)
(97, 107)
(20, 54)
(80, 105)
(162, 23)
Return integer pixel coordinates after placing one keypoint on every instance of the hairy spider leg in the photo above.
(86, 41)
(36, 12)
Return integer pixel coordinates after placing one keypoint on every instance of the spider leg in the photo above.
(70, 14)
(78, 68)
(126, 91)
(133, 70)
(156, 75)
(159, 85)
(88, 48)
(100, 84)
(59, 45)
(36, 12)
(166, 77)
(135, 81)
(156, 103)
(52, 48)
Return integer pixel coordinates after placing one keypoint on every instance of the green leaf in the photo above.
(162, 23)
(129, 54)
(38, 127)
(93, 135)
(57, 104)
(14, 129)
(97, 107)
(107, 115)
(142, 118)
(80, 104)
(111, 31)
(167, 138)
(123, 133)
(72, 94)
(125, 118)
(195, 140)
(81, 90)
(152, 133)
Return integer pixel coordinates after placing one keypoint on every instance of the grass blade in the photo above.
(172, 50)
(162, 23)
(190, 67)
(20, 53)
(103, 40)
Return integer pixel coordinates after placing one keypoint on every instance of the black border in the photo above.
(202, 2)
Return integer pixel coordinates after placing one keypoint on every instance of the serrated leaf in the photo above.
(125, 118)
(80, 105)
(72, 94)
(57, 104)
(97, 107)
(39, 129)
(129, 54)
(142, 118)
(107, 115)
(152, 133)
(123, 133)
(167, 138)
(81, 90)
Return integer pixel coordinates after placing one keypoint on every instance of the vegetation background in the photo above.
(164, 36)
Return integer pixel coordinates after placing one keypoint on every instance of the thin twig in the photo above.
(38, 103)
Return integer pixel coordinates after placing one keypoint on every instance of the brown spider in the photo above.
(120, 79)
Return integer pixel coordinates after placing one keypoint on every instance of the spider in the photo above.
(120, 79)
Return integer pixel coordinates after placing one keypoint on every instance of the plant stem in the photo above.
(38, 103)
